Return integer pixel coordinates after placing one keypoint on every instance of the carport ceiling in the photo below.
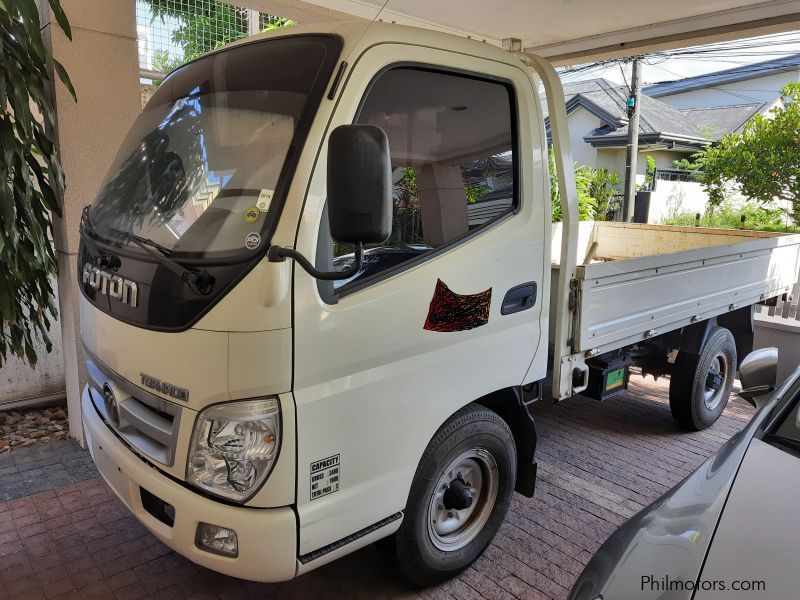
(565, 30)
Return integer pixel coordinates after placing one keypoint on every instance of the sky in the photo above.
(698, 60)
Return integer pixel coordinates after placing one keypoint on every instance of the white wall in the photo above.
(664, 158)
(672, 197)
(19, 381)
(762, 89)
(102, 63)
(581, 123)
(613, 159)
(783, 334)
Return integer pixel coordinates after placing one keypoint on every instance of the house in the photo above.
(677, 119)
(754, 83)
(598, 126)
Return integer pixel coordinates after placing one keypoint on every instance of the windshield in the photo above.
(203, 170)
(788, 431)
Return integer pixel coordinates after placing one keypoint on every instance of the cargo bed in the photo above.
(643, 280)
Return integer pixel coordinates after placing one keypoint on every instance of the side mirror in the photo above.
(359, 196)
(359, 185)
(759, 375)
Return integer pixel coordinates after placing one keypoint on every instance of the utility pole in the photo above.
(252, 22)
(632, 150)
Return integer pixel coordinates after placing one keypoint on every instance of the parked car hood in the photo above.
(670, 538)
(759, 532)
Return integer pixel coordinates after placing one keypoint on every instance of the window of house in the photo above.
(452, 144)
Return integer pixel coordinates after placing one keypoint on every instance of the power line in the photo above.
(622, 72)
(759, 48)
(709, 86)
(754, 68)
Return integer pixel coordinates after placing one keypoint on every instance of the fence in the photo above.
(675, 175)
(788, 308)
(170, 32)
(779, 327)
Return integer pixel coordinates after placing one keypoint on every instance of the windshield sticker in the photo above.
(251, 214)
(324, 477)
(264, 200)
(457, 312)
(252, 241)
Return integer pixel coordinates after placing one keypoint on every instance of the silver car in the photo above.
(730, 529)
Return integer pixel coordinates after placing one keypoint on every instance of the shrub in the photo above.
(728, 216)
(598, 198)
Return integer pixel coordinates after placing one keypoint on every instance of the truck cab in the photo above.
(320, 286)
(263, 421)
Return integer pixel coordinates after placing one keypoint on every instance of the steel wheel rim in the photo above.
(713, 394)
(451, 529)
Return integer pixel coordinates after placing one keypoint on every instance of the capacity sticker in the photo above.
(324, 477)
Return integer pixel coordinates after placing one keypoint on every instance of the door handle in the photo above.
(520, 297)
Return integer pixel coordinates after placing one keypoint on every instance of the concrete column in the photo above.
(102, 62)
(443, 203)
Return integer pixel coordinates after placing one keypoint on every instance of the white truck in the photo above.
(266, 395)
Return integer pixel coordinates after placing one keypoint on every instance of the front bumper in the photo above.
(267, 537)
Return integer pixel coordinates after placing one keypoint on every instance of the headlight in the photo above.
(234, 447)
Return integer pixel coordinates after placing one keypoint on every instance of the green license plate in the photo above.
(615, 379)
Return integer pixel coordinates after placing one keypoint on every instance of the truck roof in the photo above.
(363, 33)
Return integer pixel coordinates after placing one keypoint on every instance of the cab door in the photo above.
(444, 312)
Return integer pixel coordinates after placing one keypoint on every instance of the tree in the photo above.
(31, 178)
(649, 173)
(598, 198)
(603, 186)
(687, 164)
(204, 26)
(763, 161)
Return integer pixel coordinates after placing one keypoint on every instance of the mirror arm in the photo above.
(750, 394)
(279, 254)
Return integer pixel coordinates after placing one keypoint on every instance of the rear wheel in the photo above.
(458, 499)
(701, 384)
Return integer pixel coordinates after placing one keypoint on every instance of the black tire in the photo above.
(414, 547)
(697, 396)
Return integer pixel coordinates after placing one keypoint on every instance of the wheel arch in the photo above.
(509, 403)
(740, 322)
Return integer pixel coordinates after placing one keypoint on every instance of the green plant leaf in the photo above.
(29, 11)
(31, 181)
(762, 162)
(62, 75)
(61, 18)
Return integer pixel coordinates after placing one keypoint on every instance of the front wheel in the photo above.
(459, 497)
(701, 385)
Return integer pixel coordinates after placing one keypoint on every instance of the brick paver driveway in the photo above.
(598, 465)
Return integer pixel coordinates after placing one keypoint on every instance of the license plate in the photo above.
(615, 379)
(112, 474)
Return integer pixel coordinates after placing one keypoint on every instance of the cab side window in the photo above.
(452, 143)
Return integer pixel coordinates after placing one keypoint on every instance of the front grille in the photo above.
(148, 423)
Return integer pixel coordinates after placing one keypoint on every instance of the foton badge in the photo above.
(124, 290)
(164, 387)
